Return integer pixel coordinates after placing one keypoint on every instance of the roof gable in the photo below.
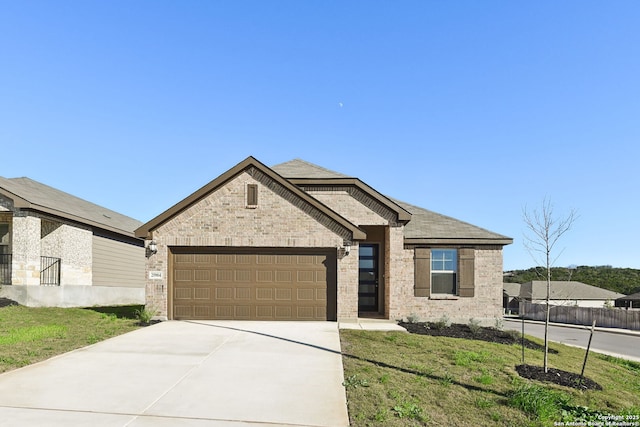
(307, 175)
(29, 194)
(245, 165)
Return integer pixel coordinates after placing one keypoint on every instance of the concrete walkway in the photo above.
(195, 374)
(371, 324)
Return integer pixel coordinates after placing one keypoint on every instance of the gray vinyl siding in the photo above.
(117, 264)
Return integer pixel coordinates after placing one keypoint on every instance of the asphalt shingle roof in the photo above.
(298, 168)
(44, 196)
(511, 289)
(634, 297)
(424, 224)
(427, 224)
(563, 290)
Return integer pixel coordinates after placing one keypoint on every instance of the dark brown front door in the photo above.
(368, 277)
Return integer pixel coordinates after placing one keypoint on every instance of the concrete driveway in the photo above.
(204, 373)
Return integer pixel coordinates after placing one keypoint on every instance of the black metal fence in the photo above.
(49, 271)
(5, 269)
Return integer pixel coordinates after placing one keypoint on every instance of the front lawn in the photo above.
(29, 335)
(403, 379)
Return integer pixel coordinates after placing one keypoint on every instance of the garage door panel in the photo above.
(202, 293)
(264, 294)
(242, 312)
(274, 286)
(183, 275)
(243, 276)
(223, 293)
(285, 276)
(264, 276)
(283, 294)
(224, 275)
(243, 293)
(183, 293)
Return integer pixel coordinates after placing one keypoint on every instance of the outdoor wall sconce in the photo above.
(345, 249)
(152, 248)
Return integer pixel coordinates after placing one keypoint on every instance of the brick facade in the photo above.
(281, 219)
(222, 219)
(485, 306)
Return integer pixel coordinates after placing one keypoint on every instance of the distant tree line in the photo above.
(623, 280)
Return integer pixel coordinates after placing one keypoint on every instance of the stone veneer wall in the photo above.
(222, 219)
(485, 306)
(34, 235)
(73, 245)
(25, 247)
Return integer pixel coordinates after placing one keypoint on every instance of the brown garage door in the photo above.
(253, 284)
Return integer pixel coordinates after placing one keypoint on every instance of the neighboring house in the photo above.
(300, 242)
(59, 250)
(511, 297)
(567, 293)
(630, 301)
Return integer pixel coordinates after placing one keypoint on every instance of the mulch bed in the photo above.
(556, 376)
(476, 333)
(6, 302)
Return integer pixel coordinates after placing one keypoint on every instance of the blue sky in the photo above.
(473, 109)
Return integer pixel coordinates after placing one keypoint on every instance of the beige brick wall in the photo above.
(348, 207)
(222, 219)
(485, 306)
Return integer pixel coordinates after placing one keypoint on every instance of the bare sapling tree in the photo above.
(545, 229)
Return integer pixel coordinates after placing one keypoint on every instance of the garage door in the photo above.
(253, 285)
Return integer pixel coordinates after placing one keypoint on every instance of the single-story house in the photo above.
(299, 242)
(511, 297)
(570, 293)
(59, 250)
(629, 301)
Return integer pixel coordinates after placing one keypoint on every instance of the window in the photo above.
(252, 195)
(444, 267)
(444, 272)
(4, 239)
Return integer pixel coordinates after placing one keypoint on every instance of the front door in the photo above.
(368, 278)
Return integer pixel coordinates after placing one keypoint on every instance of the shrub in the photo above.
(145, 315)
(474, 326)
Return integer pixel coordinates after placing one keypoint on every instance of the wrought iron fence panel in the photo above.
(49, 271)
(5, 269)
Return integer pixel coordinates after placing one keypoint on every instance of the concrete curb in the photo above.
(586, 327)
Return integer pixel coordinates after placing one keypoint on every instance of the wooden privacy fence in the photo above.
(604, 317)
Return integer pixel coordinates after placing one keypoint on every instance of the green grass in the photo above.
(29, 335)
(401, 379)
